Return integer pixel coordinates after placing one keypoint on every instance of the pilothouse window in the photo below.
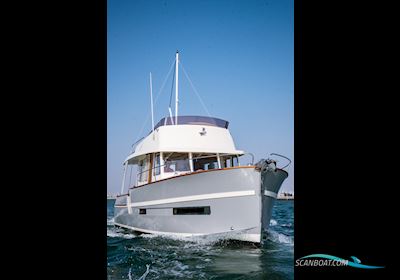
(205, 162)
(157, 164)
(226, 162)
(230, 161)
(235, 160)
(143, 169)
(176, 162)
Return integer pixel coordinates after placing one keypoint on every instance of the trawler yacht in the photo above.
(192, 181)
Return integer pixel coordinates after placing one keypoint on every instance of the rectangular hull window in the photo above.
(142, 211)
(204, 210)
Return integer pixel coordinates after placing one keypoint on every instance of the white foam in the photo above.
(208, 239)
(179, 270)
(110, 222)
(289, 225)
(143, 277)
(129, 274)
(280, 238)
(114, 232)
(273, 222)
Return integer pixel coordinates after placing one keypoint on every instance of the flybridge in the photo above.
(194, 120)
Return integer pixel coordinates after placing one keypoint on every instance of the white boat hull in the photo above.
(236, 204)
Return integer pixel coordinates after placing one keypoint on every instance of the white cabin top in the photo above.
(196, 134)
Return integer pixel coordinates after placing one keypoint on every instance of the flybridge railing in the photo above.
(168, 163)
(135, 144)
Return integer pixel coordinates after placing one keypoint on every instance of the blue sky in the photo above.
(238, 54)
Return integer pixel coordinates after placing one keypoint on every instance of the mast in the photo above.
(176, 87)
(151, 100)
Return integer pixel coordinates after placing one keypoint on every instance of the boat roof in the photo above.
(193, 120)
(195, 134)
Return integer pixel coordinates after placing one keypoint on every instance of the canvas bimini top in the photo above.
(193, 120)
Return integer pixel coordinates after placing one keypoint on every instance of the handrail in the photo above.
(252, 157)
(274, 154)
(133, 145)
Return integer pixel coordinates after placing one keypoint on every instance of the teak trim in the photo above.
(194, 173)
(150, 169)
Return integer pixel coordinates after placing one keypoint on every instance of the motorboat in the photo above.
(191, 180)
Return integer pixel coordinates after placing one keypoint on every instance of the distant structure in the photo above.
(285, 196)
(111, 196)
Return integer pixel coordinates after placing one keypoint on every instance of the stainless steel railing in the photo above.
(274, 154)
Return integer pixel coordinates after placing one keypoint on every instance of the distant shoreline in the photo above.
(285, 196)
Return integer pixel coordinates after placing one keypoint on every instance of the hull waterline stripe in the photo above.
(253, 237)
(190, 198)
(271, 194)
(159, 232)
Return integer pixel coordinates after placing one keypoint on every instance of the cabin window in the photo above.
(205, 162)
(142, 211)
(176, 162)
(211, 165)
(226, 162)
(156, 164)
(143, 169)
(235, 161)
(140, 170)
(204, 210)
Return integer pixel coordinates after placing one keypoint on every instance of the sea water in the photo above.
(149, 256)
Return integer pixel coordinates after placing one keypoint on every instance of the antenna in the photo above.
(176, 87)
(151, 100)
